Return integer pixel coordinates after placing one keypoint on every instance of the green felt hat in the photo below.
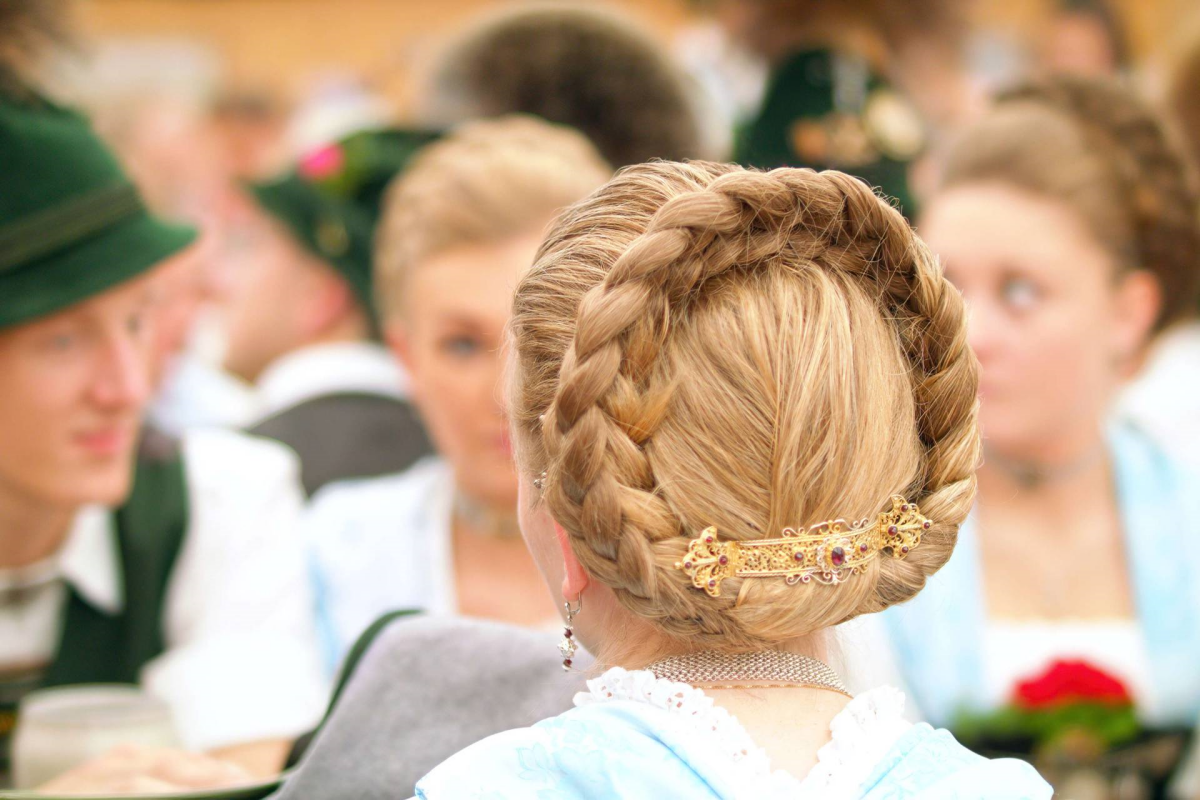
(359, 167)
(827, 110)
(332, 199)
(72, 225)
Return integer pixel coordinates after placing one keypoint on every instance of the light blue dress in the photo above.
(637, 736)
(938, 636)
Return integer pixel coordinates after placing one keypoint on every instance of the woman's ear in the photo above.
(1138, 301)
(575, 577)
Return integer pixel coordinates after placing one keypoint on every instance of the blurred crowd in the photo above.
(256, 405)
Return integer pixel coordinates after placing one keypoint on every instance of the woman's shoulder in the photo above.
(496, 762)
(930, 764)
(632, 748)
(582, 753)
(1156, 490)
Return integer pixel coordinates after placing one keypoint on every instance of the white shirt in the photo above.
(241, 662)
(1164, 399)
(378, 545)
(196, 394)
(312, 372)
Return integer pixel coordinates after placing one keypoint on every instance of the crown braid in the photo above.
(698, 223)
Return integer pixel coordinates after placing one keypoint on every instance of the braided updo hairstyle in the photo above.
(1095, 146)
(701, 344)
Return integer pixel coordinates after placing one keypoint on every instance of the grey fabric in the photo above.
(427, 688)
(348, 435)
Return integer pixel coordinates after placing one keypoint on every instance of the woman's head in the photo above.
(702, 345)
(458, 229)
(776, 28)
(1071, 228)
(574, 65)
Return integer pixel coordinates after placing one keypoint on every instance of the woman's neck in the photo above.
(495, 576)
(1045, 467)
(30, 530)
(1064, 476)
(481, 519)
(637, 644)
(790, 723)
(1053, 549)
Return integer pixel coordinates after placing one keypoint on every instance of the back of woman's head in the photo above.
(1183, 96)
(1098, 149)
(583, 67)
(703, 345)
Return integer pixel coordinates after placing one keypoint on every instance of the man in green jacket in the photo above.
(125, 557)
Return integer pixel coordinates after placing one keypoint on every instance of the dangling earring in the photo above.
(568, 646)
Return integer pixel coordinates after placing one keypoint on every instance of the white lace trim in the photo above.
(861, 733)
(683, 700)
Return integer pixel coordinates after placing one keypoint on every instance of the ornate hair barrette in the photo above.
(828, 552)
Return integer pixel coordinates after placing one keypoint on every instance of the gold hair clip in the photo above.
(828, 552)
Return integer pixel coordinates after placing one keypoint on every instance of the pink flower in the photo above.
(322, 162)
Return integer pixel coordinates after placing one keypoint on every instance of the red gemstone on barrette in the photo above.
(926, 525)
(904, 507)
(712, 583)
(837, 556)
(799, 556)
(687, 565)
(723, 560)
(904, 549)
(893, 530)
(708, 539)
(862, 548)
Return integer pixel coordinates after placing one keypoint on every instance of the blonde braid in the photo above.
(708, 222)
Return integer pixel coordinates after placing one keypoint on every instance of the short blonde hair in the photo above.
(700, 344)
(485, 182)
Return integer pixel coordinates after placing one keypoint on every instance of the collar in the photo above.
(328, 369)
(90, 560)
(861, 734)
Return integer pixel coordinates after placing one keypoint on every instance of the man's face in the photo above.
(75, 384)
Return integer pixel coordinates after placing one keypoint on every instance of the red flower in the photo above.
(1071, 682)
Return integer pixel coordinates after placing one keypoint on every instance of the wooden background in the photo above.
(281, 44)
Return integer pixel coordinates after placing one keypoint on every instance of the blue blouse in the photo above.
(938, 636)
(630, 748)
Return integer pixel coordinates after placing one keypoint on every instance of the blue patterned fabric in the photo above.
(938, 636)
(630, 750)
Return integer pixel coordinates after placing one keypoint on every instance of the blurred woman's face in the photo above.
(456, 308)
(1050, 321)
